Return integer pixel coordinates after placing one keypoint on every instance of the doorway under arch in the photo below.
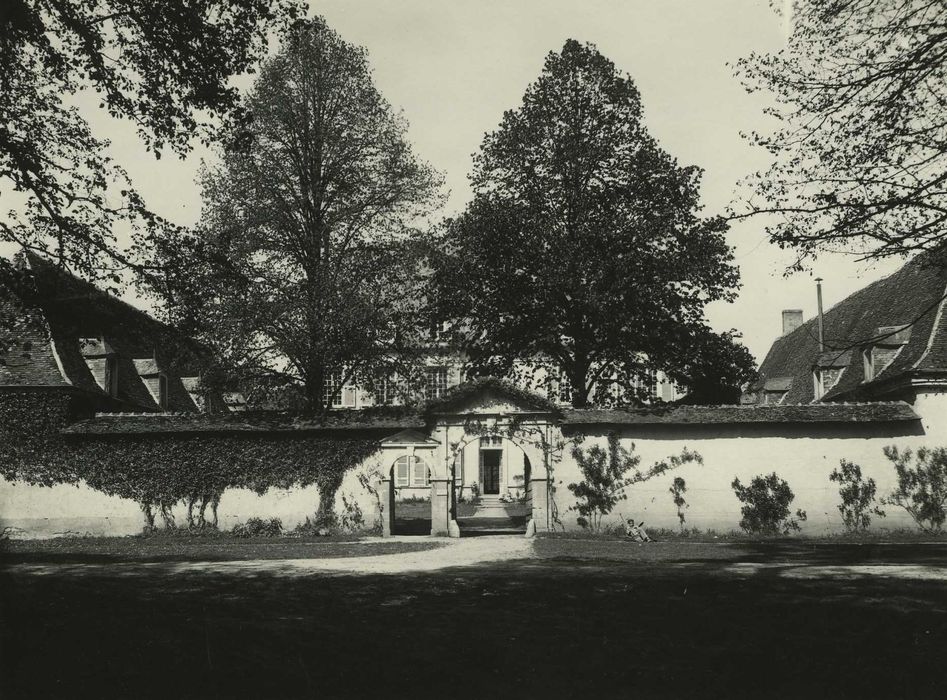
(410, 497)
(491, 476)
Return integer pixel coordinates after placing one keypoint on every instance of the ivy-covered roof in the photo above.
(874, 412)
(487, 388)
(382, 419)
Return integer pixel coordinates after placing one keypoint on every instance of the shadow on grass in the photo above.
(547, 627)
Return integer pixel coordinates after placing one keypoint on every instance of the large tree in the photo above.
(307, 253)
(859, 142)
(583, 249)
(166, 65)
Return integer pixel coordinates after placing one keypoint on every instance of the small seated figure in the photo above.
(636, 532)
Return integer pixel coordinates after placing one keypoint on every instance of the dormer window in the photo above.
(195, 390)
(775, 390)
(824, 379)
(887, 345)
(828, 370)
(155, 380)
(102, 361)
(869, 362)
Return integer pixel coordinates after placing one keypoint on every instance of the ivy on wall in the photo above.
(159, 471)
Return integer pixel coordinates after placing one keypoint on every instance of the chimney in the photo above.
(818, 291)
(792, 319)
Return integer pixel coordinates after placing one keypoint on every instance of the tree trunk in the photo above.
(315, 388)
(149, 516)
(167, 516)
(214, 502)
(325, 513)
(580, 389)
(201, 520)
(191, 500)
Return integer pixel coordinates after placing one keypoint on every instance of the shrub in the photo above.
(352, 519)
(258, 527)
(857, 496)
(606, 476)
(766, 506)
(922, 488)
(677, 490)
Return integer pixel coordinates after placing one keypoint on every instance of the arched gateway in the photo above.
(488, 444)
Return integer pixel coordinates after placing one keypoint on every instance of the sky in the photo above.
(453, 66)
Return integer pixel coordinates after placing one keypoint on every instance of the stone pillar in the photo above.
(440, 506)
(386, 503)
(539, 489)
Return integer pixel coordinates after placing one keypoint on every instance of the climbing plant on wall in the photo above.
(159, 471)
(607, 473)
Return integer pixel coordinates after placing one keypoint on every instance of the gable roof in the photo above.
(485, 389)
(912, 295)
(72, 322)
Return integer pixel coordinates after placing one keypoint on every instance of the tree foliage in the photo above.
(766, 504)
(860, 142)
(307, 252)
(163, 64)
(583, 245)
(922, 486)
(607, 473)
(857, 496)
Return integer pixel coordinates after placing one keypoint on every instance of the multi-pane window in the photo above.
(435, 382)
(389, 391)
(411, 471)
(332, 389)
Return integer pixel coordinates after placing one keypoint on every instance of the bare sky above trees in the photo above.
(454, 66)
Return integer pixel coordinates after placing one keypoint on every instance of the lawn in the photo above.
(80, 550)
(579, 619)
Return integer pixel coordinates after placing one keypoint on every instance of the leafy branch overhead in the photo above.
(164, 65)
(859, 142)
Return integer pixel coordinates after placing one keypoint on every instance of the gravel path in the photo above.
(451, 552)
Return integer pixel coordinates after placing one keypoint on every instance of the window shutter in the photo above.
(419, 477)
(401, 471)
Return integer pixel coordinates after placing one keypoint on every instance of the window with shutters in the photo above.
(411, 471)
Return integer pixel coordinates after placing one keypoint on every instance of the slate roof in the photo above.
(873, 412)
(912, 295)
(72, 321)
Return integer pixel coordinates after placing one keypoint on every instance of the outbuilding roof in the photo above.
(876, 315)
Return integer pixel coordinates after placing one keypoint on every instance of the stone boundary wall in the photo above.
(802, 454)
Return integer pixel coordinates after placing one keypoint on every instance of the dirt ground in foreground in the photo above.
(569, 619)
